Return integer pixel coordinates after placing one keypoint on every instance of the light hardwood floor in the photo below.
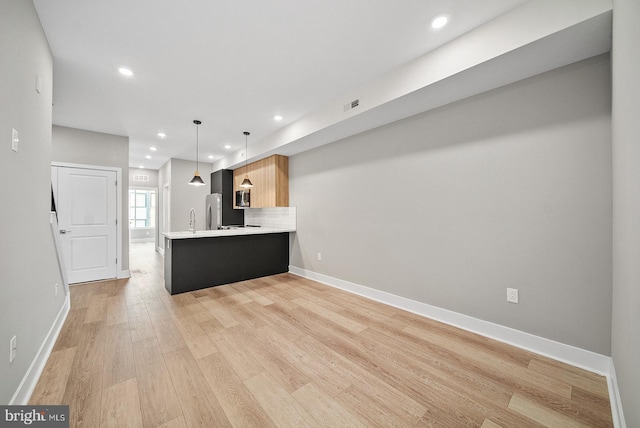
(290, 352)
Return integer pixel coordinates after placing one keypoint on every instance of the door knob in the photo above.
(63, 231)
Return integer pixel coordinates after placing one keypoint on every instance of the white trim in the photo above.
(119, 218)
(578, 357)
(123, 274)
(614, 398)
(28, 384)
(53, 222)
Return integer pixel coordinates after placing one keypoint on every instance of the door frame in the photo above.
(157, 228)
(119, 272)
(164, 222)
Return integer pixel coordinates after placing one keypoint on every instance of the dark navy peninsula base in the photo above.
(196, 263)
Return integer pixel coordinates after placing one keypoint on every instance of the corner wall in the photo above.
(626, 205)
(164, 224)
(28, 267)
(184, 196)
(510, 188)
(177, 173)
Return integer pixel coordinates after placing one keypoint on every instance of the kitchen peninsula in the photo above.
(207, 258)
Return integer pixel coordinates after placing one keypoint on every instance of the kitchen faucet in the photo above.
(192, 220)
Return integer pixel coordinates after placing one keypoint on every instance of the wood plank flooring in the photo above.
(284, 351)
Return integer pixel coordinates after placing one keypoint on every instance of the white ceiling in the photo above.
(231, 64)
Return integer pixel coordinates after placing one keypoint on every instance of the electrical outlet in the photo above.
(12, 349)
(319, 256)
(512, 295)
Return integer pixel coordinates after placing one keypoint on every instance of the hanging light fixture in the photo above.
(196, 180)
(246, 183)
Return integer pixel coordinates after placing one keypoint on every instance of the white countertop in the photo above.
(225, 232)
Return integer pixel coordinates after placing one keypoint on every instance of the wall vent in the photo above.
(353, 104)
(140, 177)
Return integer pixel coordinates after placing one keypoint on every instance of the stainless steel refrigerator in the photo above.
(213, 210)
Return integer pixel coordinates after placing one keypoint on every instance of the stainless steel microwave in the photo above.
(243, 198)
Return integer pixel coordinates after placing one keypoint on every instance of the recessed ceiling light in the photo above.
(153, 149)
(162, 135)
(226, 146)
(147, 157)
(277, 117)
(210, 156)
(439, 21)
(125, 71)
(141, 167)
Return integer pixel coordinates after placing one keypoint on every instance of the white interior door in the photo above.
(86, 206)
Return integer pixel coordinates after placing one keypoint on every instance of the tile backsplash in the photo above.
(277, 217)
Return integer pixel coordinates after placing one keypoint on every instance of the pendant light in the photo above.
(196, 180)
(246, 183)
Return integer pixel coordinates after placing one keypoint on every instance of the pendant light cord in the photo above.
(246, 183)
(197, 180)
(197, 147)
(246, 154)
(197, 123)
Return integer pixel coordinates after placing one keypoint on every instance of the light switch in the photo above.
(13, 347)
(14, 140)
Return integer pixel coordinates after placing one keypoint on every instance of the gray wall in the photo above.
(28, 266)
(178, 173)
(164, 178)
(511, 188)
(78, 146)
(151, 173)
(626, 205)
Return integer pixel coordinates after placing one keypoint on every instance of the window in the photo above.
(142, 208)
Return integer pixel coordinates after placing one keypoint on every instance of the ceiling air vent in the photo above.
(353, 104)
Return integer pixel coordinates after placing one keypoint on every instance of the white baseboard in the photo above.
(578, 357)
(160, 250)
(28, 384)
(124, 274)
(614, 399)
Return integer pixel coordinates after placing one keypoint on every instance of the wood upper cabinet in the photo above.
(270, 178)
